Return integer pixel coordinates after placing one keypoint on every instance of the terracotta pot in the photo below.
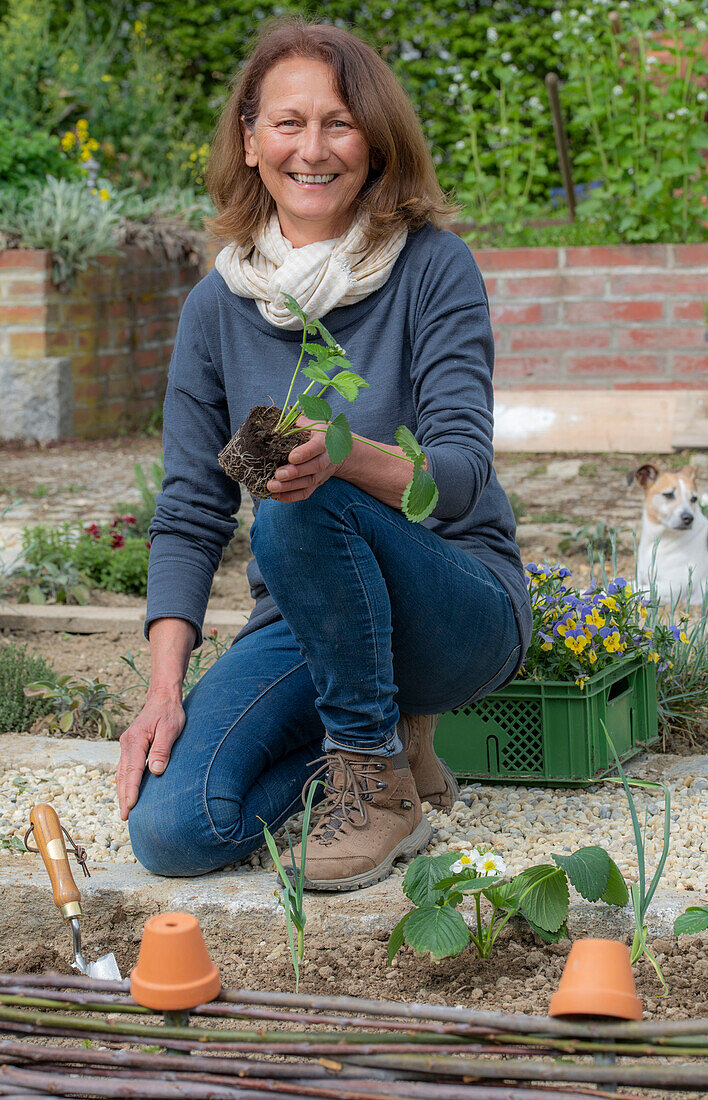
(174, 970)
(597, 981)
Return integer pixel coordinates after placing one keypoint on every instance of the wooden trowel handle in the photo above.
(50, 841)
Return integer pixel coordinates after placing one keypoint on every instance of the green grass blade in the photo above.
(635, 822)
(664, 849)
(305, 828)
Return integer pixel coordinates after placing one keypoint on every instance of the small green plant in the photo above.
(64, 561)
(18, 668)
(694, 919)
(420, 495)
(291, 899)
(65, 217)
(81, 706)
(148, 492)
(518, 506)
(640, 893)
(13, 842)
(538, 895)
(596, 539)
(46, 581)
(213, 648)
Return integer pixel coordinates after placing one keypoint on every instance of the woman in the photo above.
(366, 626)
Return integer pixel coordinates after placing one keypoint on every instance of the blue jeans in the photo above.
(378, 614)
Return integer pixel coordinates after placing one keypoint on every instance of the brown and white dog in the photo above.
(673, 516)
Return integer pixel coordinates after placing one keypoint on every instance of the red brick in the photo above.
(696, 310)
(615, 255)
(559, 338)
(691, 255)
(62, 341)
(529, 367)
(602, 312)
(654, 385)
(660, 282)
(163, 329)
(31, 258)
(491, 285)
(28, 345)
(661, 337)
(603, 365)
(121, 386)
(21, 288)
(85, 392)
(517, 315)
(87, 338)
(110, 362)
(151, 380)
(692, 364)
(554, 286)
(150, 357)
(511, 259)
(78, 313)
(23, 315)
(188, 276)
(120, 308)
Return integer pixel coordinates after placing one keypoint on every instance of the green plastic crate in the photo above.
(549, 732)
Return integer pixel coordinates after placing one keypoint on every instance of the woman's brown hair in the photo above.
(402, 190)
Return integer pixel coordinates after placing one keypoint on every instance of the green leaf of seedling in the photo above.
(437, 929)
(695, 919)
(408, 442)
(420, 496)
(550, 937)
(35, 595)
(38, 687)
(318, 351)
(314, 407)
(504, 896)
(469, 886)
(294, 308)
(395, 942)
(543, 895)
(348, 384)
(325, 334)
(588, 870)
(316, 373)
(338, 439)
(423, 874)
(616, 892)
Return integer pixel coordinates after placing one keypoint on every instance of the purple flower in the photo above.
(617, 585)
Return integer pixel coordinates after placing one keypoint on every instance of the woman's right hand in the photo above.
(149, 739)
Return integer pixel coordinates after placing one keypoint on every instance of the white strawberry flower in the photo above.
(489, 863)
(466, 862)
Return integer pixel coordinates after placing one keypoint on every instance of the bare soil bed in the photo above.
(520, 977)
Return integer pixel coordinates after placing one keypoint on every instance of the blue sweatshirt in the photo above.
(423, 342)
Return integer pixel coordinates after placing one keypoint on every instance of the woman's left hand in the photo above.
(309, 465)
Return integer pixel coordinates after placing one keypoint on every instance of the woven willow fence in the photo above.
(343, 1048)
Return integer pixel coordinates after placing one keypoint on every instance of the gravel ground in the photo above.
(524, 824)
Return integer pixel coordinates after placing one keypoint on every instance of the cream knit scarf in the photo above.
(319, 276)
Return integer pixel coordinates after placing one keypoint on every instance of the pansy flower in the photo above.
(547, 642)
(679, 633)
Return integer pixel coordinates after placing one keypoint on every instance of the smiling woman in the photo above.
(366, 626)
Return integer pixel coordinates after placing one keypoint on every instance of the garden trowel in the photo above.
(48, 833)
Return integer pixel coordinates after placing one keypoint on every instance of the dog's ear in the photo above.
(690, 471)
(645, 475)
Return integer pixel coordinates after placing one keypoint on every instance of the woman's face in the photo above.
(303, 131)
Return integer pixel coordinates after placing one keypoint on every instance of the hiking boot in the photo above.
(433, 779)
(371, 816)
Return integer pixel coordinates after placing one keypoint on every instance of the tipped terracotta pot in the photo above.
(597, 981)
(174, 970)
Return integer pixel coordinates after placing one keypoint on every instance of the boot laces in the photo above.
(345, 804)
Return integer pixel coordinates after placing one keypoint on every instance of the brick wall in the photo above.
(596, 348)
(90, 360)
(602, 349)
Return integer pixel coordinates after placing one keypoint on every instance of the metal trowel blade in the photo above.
(105, 968)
